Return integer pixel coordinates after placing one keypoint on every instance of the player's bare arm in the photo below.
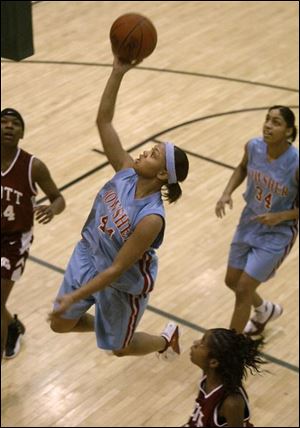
(117, 156)
(232, 410)
(41, 175)
(140, 241)
(236, 179)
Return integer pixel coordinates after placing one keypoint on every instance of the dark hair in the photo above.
(172, 192)
(12, 112)
(235, 353)
(289, 119)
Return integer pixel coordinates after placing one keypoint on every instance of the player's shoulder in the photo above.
(123, 175)
(255, 146)
(294, 151)
(39, 169)
(25, 153)
(37, 164)
(233, 402)
(256, 142)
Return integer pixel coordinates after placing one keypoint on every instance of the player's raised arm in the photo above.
(114, 151)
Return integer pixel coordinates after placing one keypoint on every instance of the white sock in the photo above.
(263, 311)
(262, 308)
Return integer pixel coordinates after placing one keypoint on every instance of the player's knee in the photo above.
(56, 327)
(229, 283)
(61, 326)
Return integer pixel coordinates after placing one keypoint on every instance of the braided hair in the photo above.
(235, 354)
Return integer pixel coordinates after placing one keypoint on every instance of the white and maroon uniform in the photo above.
(17, 202)
(206, 410)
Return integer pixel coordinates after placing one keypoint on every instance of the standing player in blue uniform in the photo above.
(114, 266)
(268, 225)
(224, 356)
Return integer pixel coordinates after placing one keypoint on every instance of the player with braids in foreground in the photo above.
(224, 356)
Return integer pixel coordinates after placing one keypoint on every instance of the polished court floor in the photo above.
(217, 67)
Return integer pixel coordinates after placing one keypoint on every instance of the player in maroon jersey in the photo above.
(20, 172)
(224, 356)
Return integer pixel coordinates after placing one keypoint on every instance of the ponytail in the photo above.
(172, 192)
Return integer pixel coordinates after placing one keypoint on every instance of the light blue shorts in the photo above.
(117, 314)
(256, 262)
(258, 249)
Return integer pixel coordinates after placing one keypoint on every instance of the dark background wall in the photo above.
(16, 30)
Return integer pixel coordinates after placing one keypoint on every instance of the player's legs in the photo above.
(237, 260)
(260, 266)
(241, 256)
(117, 315)
(14, 253)
(232, 277)
(244, 295)
(237, 279)
(142, 344)
(80, 325)
(257, 300)
(79, 271)
(6, 318)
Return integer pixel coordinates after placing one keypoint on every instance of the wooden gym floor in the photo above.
(217, 67)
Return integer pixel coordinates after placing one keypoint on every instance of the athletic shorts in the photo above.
(117, 313)
(259, 251)
(14, 253)
(256, 262)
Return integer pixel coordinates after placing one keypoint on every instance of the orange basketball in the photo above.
(133, 37)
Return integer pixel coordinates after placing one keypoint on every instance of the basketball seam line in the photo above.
(124, 41)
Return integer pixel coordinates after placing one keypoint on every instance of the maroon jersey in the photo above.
(207, 406)
(17, 195)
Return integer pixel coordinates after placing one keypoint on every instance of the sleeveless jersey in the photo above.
(17, 195)
(207, 406)
(113, 218)
(271, 187)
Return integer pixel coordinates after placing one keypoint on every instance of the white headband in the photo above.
(170, 163)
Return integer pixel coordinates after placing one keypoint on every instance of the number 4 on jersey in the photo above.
(103, 226)
(9, 213)
(260, 196)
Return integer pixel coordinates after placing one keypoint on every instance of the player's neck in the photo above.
(212, 382)
(145, 188)
(8, 154)
(275, 151)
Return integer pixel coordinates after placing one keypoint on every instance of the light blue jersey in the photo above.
(271, 187)
(113, 218)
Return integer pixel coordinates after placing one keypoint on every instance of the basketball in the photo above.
(133, 37)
